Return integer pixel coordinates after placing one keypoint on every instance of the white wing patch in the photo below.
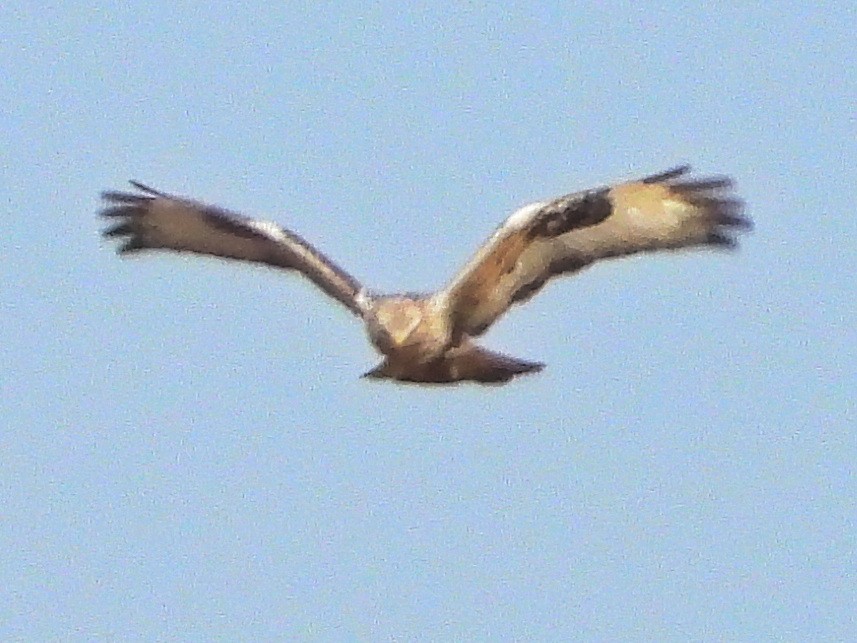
(268, 228)
(523, 216)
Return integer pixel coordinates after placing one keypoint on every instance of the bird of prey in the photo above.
(430, 339)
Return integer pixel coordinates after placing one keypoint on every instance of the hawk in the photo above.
(431, 338)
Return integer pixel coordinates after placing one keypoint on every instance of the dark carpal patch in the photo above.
(527, 290)
(578, 211)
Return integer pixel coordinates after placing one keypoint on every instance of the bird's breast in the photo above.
(410, 330)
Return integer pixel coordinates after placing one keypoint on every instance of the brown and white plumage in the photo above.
(428, 339)
(153, 220)
(658, 212)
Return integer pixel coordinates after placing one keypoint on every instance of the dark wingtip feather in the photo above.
(119, 230)
(722, 240)
(134, 244)
(723, 210)
(125, 210)
(728, 212)
(734, 220)
(708, 184)
(667, 175)
(145, 188)
(113, 196)
(115, 211)
(116, 196)
(728, 221)
(532, 367)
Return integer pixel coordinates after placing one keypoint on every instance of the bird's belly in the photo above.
(421, 344)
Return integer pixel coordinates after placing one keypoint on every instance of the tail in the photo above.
(467, 362)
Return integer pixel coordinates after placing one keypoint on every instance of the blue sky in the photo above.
(188, 452)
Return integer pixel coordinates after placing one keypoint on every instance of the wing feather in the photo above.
(543, 240)
(153, 220)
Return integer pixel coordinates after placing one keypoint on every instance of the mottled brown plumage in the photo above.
(428, 338)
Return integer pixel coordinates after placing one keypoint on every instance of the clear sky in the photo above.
(187, 451)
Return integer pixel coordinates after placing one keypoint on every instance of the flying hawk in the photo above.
(430, 338)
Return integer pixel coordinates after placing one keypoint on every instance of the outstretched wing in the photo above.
(546, 239)
(152, 220)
